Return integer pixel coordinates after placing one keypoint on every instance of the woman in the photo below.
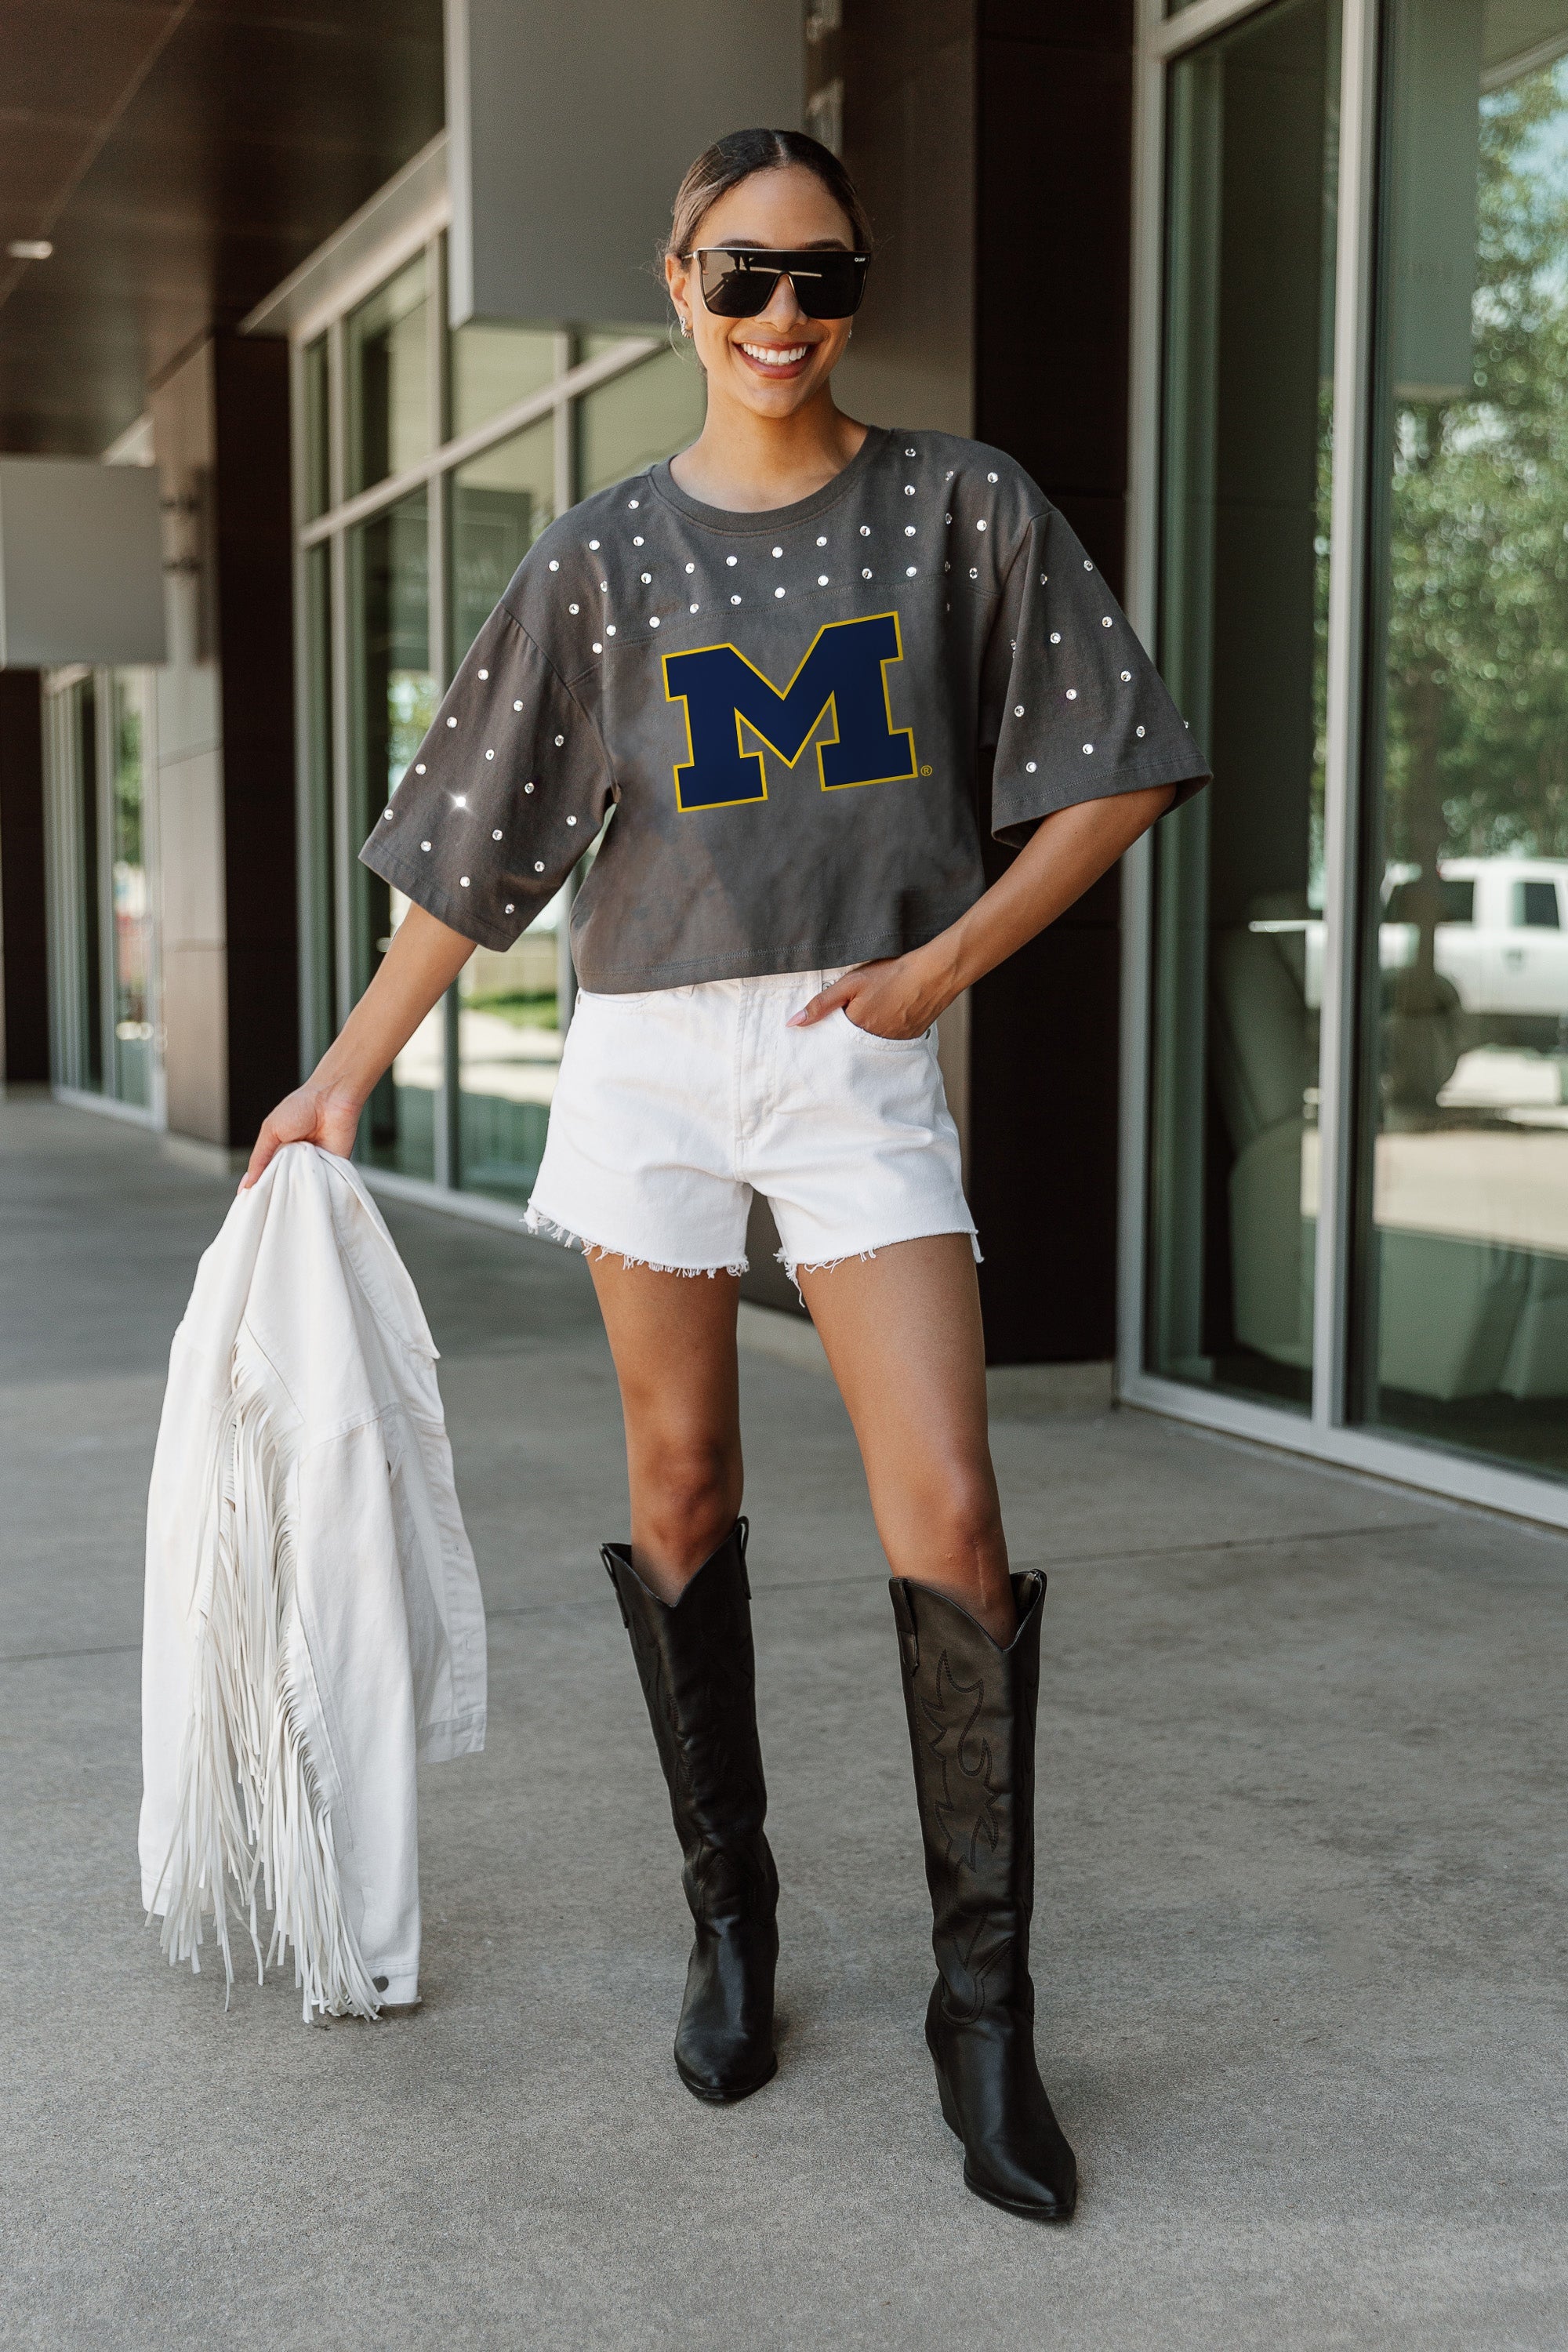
(779, 658)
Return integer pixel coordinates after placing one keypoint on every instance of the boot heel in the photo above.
(949, 2104)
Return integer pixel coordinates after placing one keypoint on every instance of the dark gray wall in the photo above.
(992, 140)
(1053, 229)
(225, 742)
(24, 949)
(254, 553)
(909, 72)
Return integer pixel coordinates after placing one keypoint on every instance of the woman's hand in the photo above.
(900, 996)
(424, 959)
(313, 1113)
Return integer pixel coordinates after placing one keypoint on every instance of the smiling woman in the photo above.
(768, 336)
(797, 660)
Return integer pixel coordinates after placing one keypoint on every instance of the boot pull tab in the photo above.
(608, 1556)
(742, 1531)
(909, 1631)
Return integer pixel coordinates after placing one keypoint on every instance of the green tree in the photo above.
(1477, 650)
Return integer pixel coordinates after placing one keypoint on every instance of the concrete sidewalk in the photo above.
(1300, 1935)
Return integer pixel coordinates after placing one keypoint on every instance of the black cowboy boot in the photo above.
(695, 1660)
(972, 1725)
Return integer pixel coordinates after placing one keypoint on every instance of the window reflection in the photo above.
(509, 1006)
(1244, 603)
(1465, 1265)
(133, 909)
(315, 455)
(388, 367)
(508, 1032)
(500, 503)
(637, 418)
(493, 367)
(394, 703)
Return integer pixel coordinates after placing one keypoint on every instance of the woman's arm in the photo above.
(424, 959)
(902, 995)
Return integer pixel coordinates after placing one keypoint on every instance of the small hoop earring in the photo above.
(685, 325)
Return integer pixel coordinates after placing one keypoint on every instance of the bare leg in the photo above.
(902, 1334)
(673, 1340)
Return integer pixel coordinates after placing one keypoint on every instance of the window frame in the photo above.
(327, 842)
(1329, 1431)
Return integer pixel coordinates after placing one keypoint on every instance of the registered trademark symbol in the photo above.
(925, 771)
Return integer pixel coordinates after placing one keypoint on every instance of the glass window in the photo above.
(650, 412)
(508, 1050)
(393, 702)
(317, 467)
(1462, 1267)
(130, 898)
(508, 1026)
(388, 368)
(500, 503)
(321, 898)
(1244, 602)
(494, 367)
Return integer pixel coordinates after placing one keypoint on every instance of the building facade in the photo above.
(1269, 296)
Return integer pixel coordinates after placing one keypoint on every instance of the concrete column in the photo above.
(224, 739)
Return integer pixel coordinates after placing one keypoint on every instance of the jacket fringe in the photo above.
(250, 1807)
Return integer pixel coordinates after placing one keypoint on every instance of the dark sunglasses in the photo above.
(737, 283)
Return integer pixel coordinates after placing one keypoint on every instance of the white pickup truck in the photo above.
(1502, 941)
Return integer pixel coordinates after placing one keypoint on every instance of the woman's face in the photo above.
(777, 363)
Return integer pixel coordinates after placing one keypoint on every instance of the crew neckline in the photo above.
(743, 524)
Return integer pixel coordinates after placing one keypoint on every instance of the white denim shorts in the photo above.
(675, 1106)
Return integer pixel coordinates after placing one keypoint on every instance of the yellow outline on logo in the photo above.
(749, 800)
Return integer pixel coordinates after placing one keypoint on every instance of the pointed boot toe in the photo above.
(722, 2074)
(1015, 2154)
(724, 2043)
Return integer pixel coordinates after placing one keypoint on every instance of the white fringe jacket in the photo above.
(313, 1619)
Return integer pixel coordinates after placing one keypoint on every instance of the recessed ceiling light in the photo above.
(29, 248)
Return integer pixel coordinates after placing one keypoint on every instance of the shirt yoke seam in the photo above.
(577, 704)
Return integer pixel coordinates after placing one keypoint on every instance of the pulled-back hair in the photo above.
(740, 153)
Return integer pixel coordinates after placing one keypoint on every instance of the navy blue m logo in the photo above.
(843, 667)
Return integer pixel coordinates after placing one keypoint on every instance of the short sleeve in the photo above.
(1073, 704)
(502, 797)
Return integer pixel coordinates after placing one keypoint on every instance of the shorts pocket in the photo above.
(886, 1045)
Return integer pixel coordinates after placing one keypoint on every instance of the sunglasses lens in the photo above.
(740, 285)
(735, 288)
(835, 292)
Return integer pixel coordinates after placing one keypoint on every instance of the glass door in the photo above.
(129, 865)
(1247, 430)
(510, 1005)
(393, 704)
(1462, 1262)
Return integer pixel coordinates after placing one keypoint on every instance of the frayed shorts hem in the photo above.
(547, 1229)
(544, 1227)
(796, 1266)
